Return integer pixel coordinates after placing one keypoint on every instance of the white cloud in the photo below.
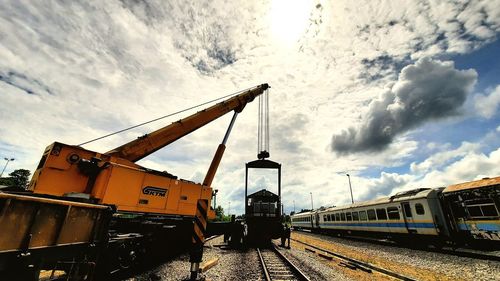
(463, 164)
(439, 159)
(487, 105)
(72, 72)
(426, 91)
(473, 166)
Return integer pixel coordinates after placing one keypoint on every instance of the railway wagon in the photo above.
(263, 216)
(473, 211)
(40, 233)
(415, 212)
(460, 214)
(263, 209)
(303, 220)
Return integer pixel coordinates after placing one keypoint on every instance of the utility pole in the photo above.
(229, 209)
(6, 163)
(312, 205)
(350, 187)
(294, 206)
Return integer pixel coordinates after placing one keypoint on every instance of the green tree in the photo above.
(6, 181)
(20, 178)
(219, 213)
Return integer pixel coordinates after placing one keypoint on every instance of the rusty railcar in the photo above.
(39, 233)
(473, 211)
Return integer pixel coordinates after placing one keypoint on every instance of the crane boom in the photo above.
(144, 146)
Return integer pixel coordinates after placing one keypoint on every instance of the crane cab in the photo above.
(72, 171)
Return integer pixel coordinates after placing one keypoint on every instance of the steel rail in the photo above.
(212, 237)
(448, 250)
(297, 273)
(358, 262)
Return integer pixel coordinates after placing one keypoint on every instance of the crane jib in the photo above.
(144, 146)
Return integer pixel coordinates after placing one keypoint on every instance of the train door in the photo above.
(317, 220)
(408, 217)
(312, 221)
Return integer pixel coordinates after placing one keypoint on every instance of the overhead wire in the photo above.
(165, 116)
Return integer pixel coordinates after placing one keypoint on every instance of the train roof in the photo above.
(400, 196)
(262, 193)
(473, 184)
(304, 213)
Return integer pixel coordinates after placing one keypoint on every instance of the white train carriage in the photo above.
(303, 220)
(415, 212)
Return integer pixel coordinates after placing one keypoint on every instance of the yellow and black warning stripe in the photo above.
(200, 221)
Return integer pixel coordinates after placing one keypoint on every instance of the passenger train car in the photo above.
(459, 214)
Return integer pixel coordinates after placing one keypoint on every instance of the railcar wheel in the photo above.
(127, 256)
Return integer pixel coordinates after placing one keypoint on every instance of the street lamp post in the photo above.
(350, 187)
(294, 206)
(312, 205)
(229, 209)
(8, 160)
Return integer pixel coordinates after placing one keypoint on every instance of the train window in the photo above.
(329, 217)
(348, 216)
(324, 217)
(342, 216)
(355, 216)
(381, 214)
(371, 215)
(393, 213)
(489, 210)
(337, 217)
(419, 209)
(362, 215)
(482, 210)
(474, 211)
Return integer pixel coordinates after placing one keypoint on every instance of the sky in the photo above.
(400, 95)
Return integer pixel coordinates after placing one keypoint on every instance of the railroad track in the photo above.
(212, 237)
(459, 252)
(356, 264)
(277, 267)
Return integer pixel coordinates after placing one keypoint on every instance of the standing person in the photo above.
(283, 236)
(287, 235)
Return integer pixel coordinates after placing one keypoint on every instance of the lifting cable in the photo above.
(263, 127)
(165, 116)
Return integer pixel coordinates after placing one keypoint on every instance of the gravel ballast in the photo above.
(418, 264)
(238, 265)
